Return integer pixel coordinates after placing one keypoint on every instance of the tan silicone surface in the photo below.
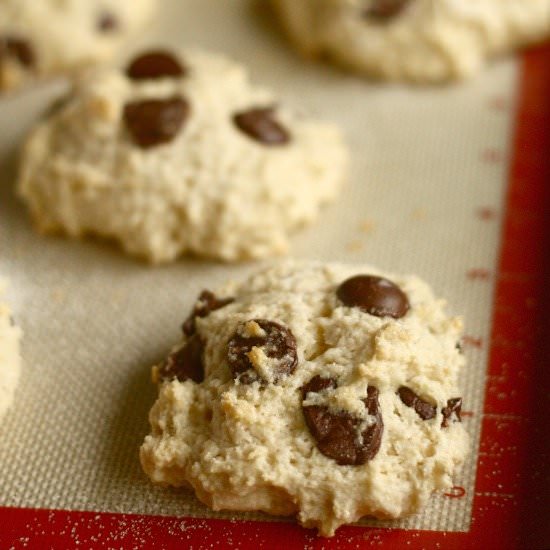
(428, 180)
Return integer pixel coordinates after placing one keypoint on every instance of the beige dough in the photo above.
(44, 37)
(425, 41)
(211, 189)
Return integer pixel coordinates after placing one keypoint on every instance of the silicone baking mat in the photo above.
(447, 183)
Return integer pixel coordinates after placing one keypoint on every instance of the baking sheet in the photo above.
(425, 196)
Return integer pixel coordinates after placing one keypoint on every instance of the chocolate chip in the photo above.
(155, 121)
(317, 384)
(19, 49)
(424, 409)
(107, 22)
(372, 436)
(374, 295)
(206, 303)
(155, 64)
(454, 405)
(274, 340)
(259, 124)
(385, 9)
(337, 434)
(186, 363)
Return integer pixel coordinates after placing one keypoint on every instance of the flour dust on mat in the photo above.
(10, 359)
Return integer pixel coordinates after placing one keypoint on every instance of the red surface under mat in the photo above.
(512, 509)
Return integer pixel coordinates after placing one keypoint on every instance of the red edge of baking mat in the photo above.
(511, 506)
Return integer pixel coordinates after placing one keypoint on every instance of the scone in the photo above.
(44, 37)
(10, 360)
(325, 391)
(180, 153)
(415, 40)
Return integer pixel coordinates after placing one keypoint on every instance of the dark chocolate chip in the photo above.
(206, 303)
(374, 295)
(424, 409)
(107, 22)
(259, 124)
(458, 346)
(317, 384)
(155, 64)
(385, 9)
(277, 343)
(454, 405)
(186, 363)
(153, 122)
(337, 434)
(372, 436)
(19, 49)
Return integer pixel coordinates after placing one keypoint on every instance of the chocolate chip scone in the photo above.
(325, 391)
(44, 37)
(416, 40)
(10, 360)
(180, 153)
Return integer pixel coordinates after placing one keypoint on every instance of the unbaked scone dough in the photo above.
(325, 391)
(180, 153)
(10, 360)
(43, 37)
(416, 40)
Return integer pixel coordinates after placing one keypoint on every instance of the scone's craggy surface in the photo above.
(180, 153)
(296, 394)
(416, 40)
(44, 37)
(10, 360)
